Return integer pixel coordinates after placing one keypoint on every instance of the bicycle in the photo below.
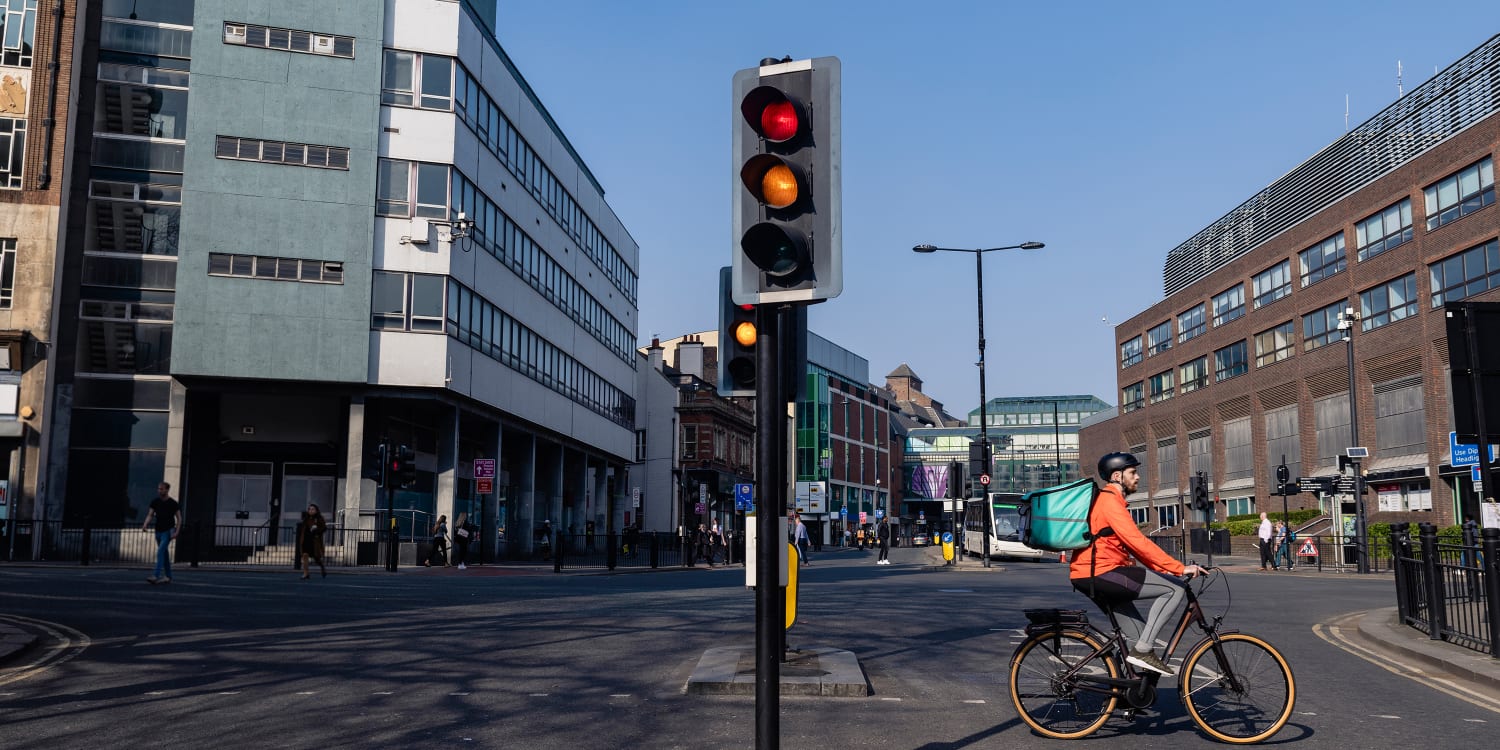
(1068, 676)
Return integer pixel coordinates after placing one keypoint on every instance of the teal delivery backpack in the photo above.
(1057, 518)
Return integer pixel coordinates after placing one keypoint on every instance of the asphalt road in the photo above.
(529, 659)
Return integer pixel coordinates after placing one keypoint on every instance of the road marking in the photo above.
(973, 701)
(1476, 721)
(1383, 716)
(891, 699)
(1332, 632)
(538, 695)
(62, 644)
(453, 694)
(308, 692)
(229, 692)
(955, 591)
(1308, 713)
(383, 692)
(619, 695)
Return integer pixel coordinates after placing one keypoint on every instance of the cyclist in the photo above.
(1104, 572)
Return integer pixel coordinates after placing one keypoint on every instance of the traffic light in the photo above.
(1199, 486)
(787, 200)
(737, 338)
(955, 488)
(404, 467)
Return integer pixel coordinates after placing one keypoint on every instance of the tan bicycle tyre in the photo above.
(1053, 706)
(1261, 705)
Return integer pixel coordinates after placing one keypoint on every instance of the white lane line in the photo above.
(1383, 716)
(1476, 721)
(1333, 633)
(891, 699)
(973, 701)
(229, 692)
(619, 695)
(453, 694)
(383, 692)
(539, 695)
(308, 692)
(955, 591)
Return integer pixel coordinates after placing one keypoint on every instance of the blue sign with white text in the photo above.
(744, 497)
(1464, 455)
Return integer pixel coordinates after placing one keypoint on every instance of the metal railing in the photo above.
(196, 544)
(1451, 592)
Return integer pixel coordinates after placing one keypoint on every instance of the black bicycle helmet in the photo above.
(1113, 462)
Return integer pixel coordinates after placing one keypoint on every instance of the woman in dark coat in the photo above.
(313, 527)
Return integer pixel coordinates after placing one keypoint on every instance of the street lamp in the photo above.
(1348, 319)
(984, 436)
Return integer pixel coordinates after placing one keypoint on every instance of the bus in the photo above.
(1004, 521)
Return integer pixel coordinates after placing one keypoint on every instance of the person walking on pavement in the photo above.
(439, 542)
(702, 548)
(464, 532)
(1284, 539)
(168, 516)
(883, 533)
(1264, 534)
(801, 539)
(312, 527)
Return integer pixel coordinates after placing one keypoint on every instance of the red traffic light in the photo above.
(773, 115)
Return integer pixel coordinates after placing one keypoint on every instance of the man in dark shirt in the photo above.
(168, 515)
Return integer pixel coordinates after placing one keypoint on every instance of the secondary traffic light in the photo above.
(1199, 486)
(737, 338)
(955, 488)
(404, 467)
(787, 200)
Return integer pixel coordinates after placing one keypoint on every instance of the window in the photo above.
(1240, 506)
(289, 40)
(1321, 327)
(1272, 284)
(1132, 397)
(396, 181)
(1239, 456)
(12, 152)
(1466, 274)
(281, 152)
(1383, 231)
(141, 101)
(1389, 302)
(690, 442)
(1331, 423)
(1161, 386)
(416, 80)
(1166, 463)
(1130, 352)
(1274, 345)
(388, 301)
(18, 28)
(1231, 361)
(1193, 375)
(7, 273)
(1459, 195)
(1283, 442)
(283, 269)
(1159, 339)
(1400, 417)
(1229, 304)
(640, 446)
(1323, 260)
(1191, 324)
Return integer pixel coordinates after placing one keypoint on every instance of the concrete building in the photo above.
(1244, 362)
(366, 228)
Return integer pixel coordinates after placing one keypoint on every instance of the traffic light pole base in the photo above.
(815, 670)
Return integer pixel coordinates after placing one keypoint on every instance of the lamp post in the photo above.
(1348, 319)
(984, 437)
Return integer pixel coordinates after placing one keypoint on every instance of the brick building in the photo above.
(1244, 361)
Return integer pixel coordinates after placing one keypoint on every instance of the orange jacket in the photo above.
(1116, 550)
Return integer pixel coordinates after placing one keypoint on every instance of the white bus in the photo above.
(1004, 522)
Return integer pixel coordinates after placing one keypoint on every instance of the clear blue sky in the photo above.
(1110, 131)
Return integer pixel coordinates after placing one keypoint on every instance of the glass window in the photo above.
(1272, 284)
(1161, 386)
(432, 190)
(1323, 259)
(133, 109)
(1274, 345)
(1321, 327)
(1231, 361)
(1389, 302)
(1466, 274)
(1193, 375)
(388, 300)
(1132, 397)
(398, 76)
(1383, 231)
(1159, 339)
(1191, 324)
(12, 152)
(1229, 304)
(1461, 194)
(1130, 352)
(7, 274)
(437, 82)
(392, 186)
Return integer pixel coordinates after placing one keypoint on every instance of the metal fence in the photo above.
(56, 541)
(1451, 592)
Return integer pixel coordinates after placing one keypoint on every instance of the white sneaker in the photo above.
(461, 566)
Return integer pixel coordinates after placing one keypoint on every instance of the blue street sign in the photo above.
(879, 513)
(744, 497)
(1464, 455)
(947, 537)
(844, 512)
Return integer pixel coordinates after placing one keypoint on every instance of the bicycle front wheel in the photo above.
(1239, 690)
(1049, 684)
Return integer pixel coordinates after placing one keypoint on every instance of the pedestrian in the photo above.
(1284, 539)
(312, 527)
(439, 542)
(464, 532)
(632, 539)
(167, 513)
(544, 540)
(1264, 534)
(799, 534)
(883, 533)
(702, 547)
(716, 548)
(848, 533)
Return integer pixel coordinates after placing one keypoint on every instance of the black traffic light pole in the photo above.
(770, 505)
(388, 481)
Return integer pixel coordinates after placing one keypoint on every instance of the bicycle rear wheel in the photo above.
(1240, 690)
(1048, 698)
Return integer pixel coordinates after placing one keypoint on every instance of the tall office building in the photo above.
(299, 229)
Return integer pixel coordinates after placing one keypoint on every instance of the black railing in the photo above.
(1451, 592)
(196, 544)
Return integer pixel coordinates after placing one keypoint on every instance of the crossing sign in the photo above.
(1308, 549)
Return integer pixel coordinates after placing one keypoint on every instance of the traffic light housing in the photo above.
(955, 488)
(1199, 490)
(738, 336)
(787, 229)
(403, 467)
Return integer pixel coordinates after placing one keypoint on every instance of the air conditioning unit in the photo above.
(322, 44)
(234, 33)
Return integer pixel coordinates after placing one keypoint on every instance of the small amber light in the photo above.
(744, 333)
(779, 186)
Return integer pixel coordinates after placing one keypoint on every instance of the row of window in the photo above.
(1453, 197)
(426, 81)
(290, 40)
(281, 152)
(280, 269)
(17, 32)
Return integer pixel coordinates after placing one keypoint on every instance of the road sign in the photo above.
(700, 508)
(702, 494)
(486, 486)
(1465, 455)
(1315, 485)
(844, 512)
(862, 518)
(635, 499)
(744, 497)
(484, 468)
(1308, 549)
(947, 537)
(984, 479)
